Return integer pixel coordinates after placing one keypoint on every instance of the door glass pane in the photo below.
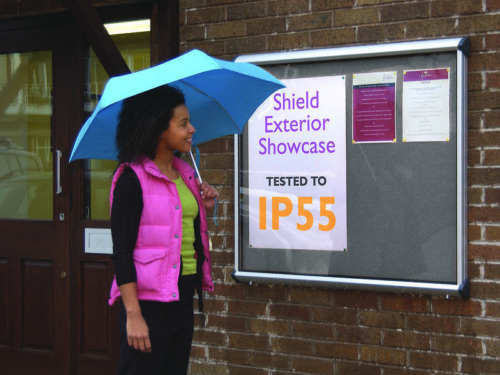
(135, 49)
(26, 178)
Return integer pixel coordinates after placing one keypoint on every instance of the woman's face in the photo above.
(179, 135)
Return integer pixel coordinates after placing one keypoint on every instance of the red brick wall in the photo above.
(261, 329)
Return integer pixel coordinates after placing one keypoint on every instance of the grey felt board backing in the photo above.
(401, 198)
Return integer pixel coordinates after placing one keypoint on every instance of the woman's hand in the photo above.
(208, 193)
(138, 333)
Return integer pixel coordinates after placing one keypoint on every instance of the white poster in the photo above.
(297, 167)
(426, 105)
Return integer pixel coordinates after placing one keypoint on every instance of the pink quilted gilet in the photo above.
(157, 253)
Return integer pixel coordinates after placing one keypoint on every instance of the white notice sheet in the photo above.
(426, 105)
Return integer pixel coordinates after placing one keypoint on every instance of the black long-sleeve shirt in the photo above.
(126, 214)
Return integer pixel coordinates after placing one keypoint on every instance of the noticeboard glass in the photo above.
(354, 175)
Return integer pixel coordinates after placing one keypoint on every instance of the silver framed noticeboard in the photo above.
(354, 175)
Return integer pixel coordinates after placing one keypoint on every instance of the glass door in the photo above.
(34, 259)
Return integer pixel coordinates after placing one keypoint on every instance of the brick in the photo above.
(491, 157)
(404, 371)
(349, 368)
(474, 195)
(475, 81)
(188, 33)
(434, 28)
(483, 176)
(444, 8)
(332, 37)
(474, 120)
(247, 308)
(434, 361)
(287, 7)
(228, 323)
(319, 331)
(382, 355)
(480, 366)
(473, 271)
(212, 48)
(199, 320)
(491, 119)
(478, 24)
(266, 26)
(226, 30)
(493, 80)
(401, 12)
(357, 16)
(221, 161)
(321, 5)
(338, 316)
(275, 327)
(492, 347)
(311, 296)
(222, 257)
(336, 350)
(492, 4)
(484, 214)
(188, 4)
(310, 21)
(284, 42)
(424, 323)
(358, 335)
(291, 346)
(205, 15)
(197, 351)
(483, 252)
(245, 45)
(404, 303)
(313, 365)
(381, 319)
(454, 344)
(484, 61)
(492, 271)
(293, 312)
(233, 356)
(484, 290)
(228, 290)
(213, 305)
(209, 337)
(473, 157)
(355, 299)
(492, 234)
(238, 340)
(492, 41)
(240, 370)
(456, 307)
(480, 327)
(266, 292)
(246, 11)
(402, 339)
(378, 33)
(269, 360)
(208, 369)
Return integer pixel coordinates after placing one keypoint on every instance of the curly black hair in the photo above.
(143, 118)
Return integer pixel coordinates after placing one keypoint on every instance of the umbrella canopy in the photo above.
(221, 97)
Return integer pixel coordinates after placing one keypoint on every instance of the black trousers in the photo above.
(170, 331)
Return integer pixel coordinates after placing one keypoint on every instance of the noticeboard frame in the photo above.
(460, 46)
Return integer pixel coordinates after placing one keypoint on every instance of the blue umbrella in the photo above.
(221, 97)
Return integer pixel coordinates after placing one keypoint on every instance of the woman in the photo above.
(159, 231)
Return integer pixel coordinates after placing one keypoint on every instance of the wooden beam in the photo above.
(168, 30)
(105, 49)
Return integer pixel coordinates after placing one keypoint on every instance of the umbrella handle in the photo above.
(195, 166)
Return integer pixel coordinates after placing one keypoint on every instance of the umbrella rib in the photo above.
(211, 97)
